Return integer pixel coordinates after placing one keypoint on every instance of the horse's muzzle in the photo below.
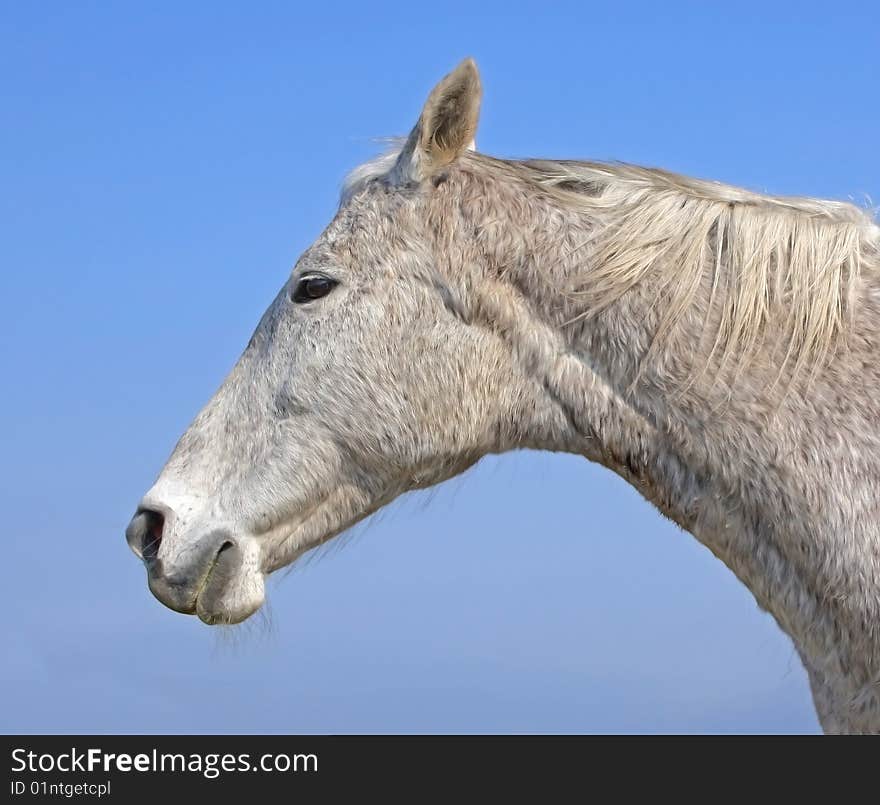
(214, 576)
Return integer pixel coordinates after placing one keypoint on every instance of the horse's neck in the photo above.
(774, 498)
(779, 513)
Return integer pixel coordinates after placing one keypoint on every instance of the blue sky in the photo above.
(162, 167)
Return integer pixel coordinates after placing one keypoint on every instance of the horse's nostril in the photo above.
(152, 536)
(144, 533)
(225, 547)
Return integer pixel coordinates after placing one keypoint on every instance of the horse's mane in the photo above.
(791, 261)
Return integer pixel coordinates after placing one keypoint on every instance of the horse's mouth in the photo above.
(218, 574)
(229, 591)
(233, 588)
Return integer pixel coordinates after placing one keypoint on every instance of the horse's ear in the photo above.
(446, 127)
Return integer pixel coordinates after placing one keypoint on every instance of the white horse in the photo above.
(717, 348)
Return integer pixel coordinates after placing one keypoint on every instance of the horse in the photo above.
(715, 347)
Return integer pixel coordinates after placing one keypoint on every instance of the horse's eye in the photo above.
(312, 286)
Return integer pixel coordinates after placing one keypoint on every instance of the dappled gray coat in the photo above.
(716, 348)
